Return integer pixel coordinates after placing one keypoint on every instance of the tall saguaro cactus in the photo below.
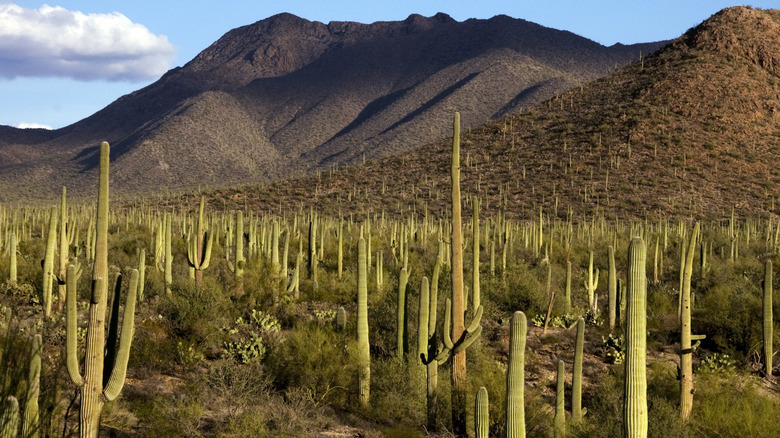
(402, 336)
(459, 335)
(612, 294)
(98, 384)
(364, 353)
(48, 262)
(63, 253)
(560, 411)
(635, 389)
(475, 291)
(686, 338)
(768, 320)
(576, 377)
(515, 377)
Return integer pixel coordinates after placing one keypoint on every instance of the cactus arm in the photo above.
(209, 238)
(119, 370)
(447, 322)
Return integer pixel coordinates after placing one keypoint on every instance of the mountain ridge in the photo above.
(690, 131)
(296, 96)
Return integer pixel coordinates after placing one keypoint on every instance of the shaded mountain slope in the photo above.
(286, 96)
(692, 130)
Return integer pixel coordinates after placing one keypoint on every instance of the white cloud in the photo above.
(53, 41)
(24, 125)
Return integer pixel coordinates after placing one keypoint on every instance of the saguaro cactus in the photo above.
(199, 247)
(591, 283)
(515, 377)
(612, 294)
(460, 335)
(481, 414)
(48, 262)
(98, 384)
(686, 338)
(402, 337)
(768, 320)
(12, 274)
(9, 421)
(237, 267)
(576, 377)
(475, 291)
(560, 411)
(635, 389)
(434, 355)
(63, 253)
(364, 353)
(30, 422)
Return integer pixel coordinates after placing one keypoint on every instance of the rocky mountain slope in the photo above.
(285, 96)
(690, 131)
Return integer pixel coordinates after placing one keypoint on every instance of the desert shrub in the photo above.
(523, 290)
(729, 314)
(398, 388)
(324, 364)
(734, 406)
(196, 314)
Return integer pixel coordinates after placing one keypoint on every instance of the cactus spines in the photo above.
(364, 353)
(686, 349)
(768, 320)
(30, 421)
(576, 378)
(635, 389)
(91, 385)
(9, 420)
(481, 414)
(560, 411)
(515, 377)
(199, 247)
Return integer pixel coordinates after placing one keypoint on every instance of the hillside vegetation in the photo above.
(690, 131)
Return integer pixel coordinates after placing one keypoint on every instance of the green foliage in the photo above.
(717, 363)
(316, 361)
(614, 348)
(247, 338)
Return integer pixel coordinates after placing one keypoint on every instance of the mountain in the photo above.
(690, 131)
(286, 96)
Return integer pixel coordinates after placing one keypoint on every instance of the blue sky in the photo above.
(63, 60)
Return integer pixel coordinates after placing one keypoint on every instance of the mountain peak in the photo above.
(741, 31)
